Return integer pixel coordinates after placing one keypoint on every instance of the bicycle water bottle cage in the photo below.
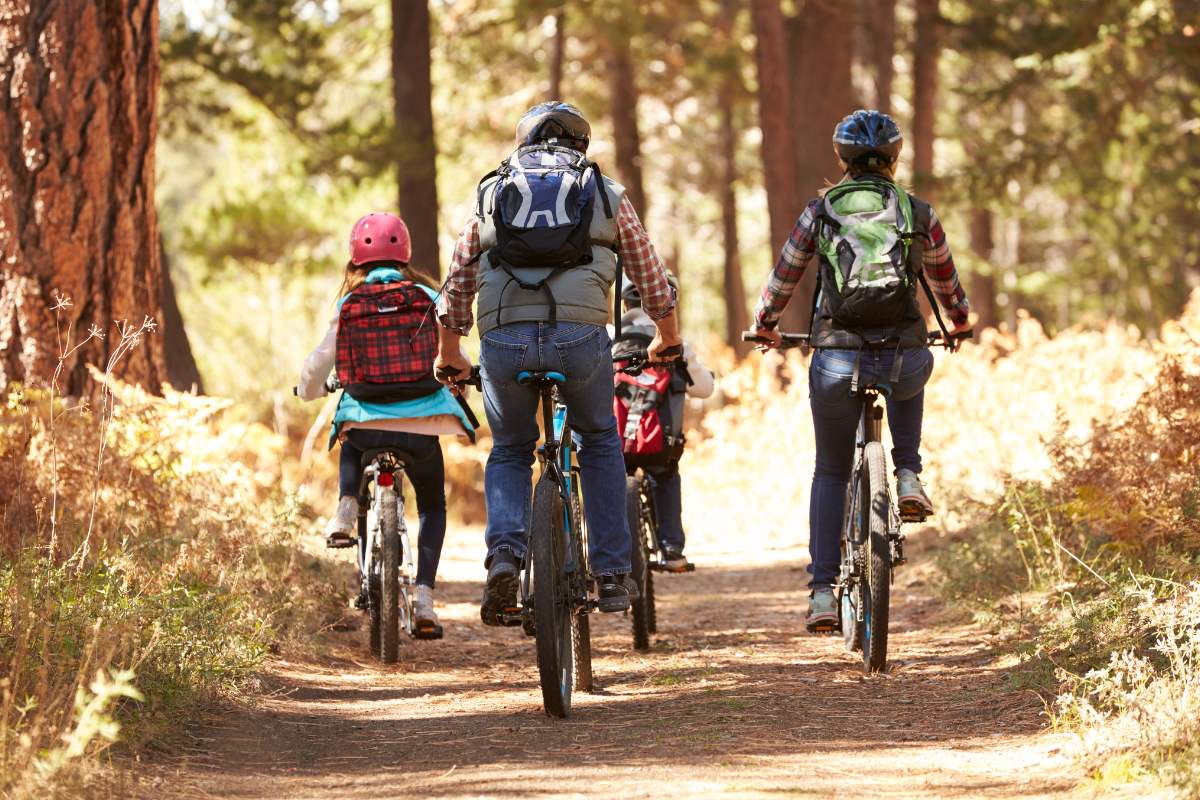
(525, 377)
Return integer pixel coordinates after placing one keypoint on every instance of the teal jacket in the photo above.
(321, 361)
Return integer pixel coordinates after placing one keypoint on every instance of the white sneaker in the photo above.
(423, 607)
(910, 496)
(344, 520)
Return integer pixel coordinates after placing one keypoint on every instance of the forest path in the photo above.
(733, 699)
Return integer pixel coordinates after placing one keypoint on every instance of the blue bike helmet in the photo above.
(554, 122)
(868, 138)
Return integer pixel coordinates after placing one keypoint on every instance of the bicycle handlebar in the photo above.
(638, 363)
(331, 385)
(472, 378)
(790, 340)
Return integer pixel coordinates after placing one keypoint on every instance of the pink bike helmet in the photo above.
(380, 236)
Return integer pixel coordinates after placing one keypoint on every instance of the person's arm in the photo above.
(793, 260)
(454, 306)
(703, 381)
(943, 277)
(643, 266)
(318, 364)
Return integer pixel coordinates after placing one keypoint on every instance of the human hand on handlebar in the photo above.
(451, 368)
(666, 345)
(773, 336)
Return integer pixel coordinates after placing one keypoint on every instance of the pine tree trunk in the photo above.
(558, 46)
(774, 114)
(880, 19)
(925, 86)
(737, 317)
(983, 286)
(623, 100)
(416, 152)
(820, 42)
(78, 117)
(182, 372)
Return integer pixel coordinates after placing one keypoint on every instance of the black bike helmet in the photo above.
(631, 296)
(868, 138)
(554, 122)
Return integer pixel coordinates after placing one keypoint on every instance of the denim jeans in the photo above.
(584, 354)
(668, 506)
(835, 421)
(428, 476)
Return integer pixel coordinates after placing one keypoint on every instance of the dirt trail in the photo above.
(732, 700)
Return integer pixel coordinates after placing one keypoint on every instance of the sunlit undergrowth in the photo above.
(1095, 574)
(137, 578)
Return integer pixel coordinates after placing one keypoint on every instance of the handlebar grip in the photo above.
(295, 391)
(673, 350)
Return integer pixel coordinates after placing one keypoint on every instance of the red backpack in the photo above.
(386, 343)
(647, 419)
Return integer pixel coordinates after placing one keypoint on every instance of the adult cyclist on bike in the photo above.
(893, 351)
(551, 318)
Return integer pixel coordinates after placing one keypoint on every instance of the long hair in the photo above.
(356, 275)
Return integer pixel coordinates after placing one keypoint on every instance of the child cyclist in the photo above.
(867, 326)
(382, 340)
(689, 377)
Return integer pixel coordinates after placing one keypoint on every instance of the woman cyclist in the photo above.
(380, 249)
(867, 144)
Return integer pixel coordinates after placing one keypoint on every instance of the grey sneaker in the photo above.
(822, 614)
(423, 607)
(911, 499)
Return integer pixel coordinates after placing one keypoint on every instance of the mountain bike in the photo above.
(872, 544)
(554, 579)
(647, 554)
(386, 569)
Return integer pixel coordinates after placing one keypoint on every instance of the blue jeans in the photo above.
(835, 421)
(584, 354)
(668, 506)
(428, 476)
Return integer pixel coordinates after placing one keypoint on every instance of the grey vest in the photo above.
(580, 293)
(910, 330)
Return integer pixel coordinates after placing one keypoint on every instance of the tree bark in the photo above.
(737, 317)
(774, 114)
(78, 117)
(182, 372)
(558, 46)
(983, 286)
(881, 49)
(623, 99)
(925, 86)
(416, 152)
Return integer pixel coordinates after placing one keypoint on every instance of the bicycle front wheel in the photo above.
(389, 545)
(551, 598)
(639, 570)
(877, 561)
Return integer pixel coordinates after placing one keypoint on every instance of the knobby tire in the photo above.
(389, 545)
(639, 570)
(551, 599)
(877, 561)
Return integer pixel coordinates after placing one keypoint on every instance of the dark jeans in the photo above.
(583, 353)
(428, 476)
(668, 505)
(835, 420)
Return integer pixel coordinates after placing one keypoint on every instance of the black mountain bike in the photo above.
(871, 542)
(647, 555)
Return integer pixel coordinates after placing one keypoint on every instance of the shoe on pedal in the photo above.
(340, 532)
(616, 593)
(911, 500)
(500, 593)
(425, 621)
(673, 558)
(822, 614)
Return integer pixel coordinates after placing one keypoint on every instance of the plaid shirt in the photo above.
(801, 246)
(638, 259)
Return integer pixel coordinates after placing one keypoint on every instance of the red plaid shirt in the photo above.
(638, 259)
(801, 246)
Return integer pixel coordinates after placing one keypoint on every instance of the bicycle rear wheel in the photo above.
(639, 570)
(581, 625)
(389, 545)
(850, 592)
(877, 561)
(551, 598)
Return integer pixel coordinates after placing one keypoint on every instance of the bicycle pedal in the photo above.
(433, 631)
(340, 544)
(511, 617)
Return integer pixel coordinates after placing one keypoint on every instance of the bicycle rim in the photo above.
(877, 562)
(389, 545)
(551, 599)
(638, 562)
(850, 593)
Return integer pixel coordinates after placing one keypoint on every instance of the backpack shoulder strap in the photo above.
(602, 188)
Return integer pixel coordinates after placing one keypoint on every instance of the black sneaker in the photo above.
(616, 593)
(500, 594)
(673, 557)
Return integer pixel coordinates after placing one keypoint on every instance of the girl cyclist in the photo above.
(894, 350)
(380, 249)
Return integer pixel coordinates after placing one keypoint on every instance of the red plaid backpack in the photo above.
(386, 343)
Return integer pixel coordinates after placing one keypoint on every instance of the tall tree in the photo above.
(927, 53)
(182, 372)
(982, 288)
(78, 100)
(736, 315)
(558, 46)
(880, 48)
(623, 101)
(416, 151)
(774, 115)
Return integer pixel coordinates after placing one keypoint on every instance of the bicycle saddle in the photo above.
(540, 377)
(401, 455)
